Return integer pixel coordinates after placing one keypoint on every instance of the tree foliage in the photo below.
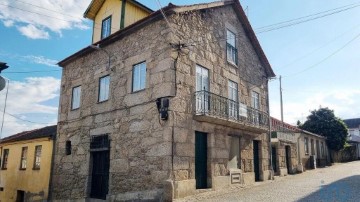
(324, 122)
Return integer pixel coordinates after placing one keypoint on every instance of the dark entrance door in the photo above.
(100, 174)
(256, 160)
(288, 158)
(201, 160)
(20, 196)
(273, 150)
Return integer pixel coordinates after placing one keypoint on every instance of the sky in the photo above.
(318, 60)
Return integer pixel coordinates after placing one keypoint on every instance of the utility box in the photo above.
(313, 162)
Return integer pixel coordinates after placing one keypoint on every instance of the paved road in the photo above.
(340, 182)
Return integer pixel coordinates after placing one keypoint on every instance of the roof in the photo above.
(95, 6)
(277, 125)
(49, 131)
(352, 123)
(171, 9)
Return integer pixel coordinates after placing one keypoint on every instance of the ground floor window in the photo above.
(234, 154)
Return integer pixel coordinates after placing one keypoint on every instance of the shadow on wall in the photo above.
(346, 189)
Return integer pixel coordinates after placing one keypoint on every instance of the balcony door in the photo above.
(255, 104)
(202, 89)
(233, 100)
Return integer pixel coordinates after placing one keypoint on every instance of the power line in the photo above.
(258, 28)
(163, 13)
(21, 119)
(303, 21)
(326, 58)
(315, 50)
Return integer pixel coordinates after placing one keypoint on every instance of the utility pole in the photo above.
(281, 104)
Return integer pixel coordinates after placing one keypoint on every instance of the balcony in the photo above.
(220, 110)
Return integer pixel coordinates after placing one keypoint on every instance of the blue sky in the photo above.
(32, 42)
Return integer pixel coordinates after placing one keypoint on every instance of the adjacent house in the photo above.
(354, 133)
(285, 140)
(26, 164)
(296, 150)
(164, 107)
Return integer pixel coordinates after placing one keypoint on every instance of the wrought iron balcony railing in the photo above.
(209, 104)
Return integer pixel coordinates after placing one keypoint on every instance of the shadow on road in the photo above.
(347, 189)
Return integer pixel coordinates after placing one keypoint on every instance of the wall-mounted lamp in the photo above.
(97, 47)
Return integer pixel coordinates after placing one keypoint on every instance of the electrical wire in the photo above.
(24, 120)
(291, 20)
(164, 15)
(326, 58)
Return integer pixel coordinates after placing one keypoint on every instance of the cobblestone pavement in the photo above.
(340, 182)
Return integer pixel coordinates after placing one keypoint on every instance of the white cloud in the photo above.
(39, 59)
(36, 19)
(344, 102)
(8, 23)
(33, 32)
(29, 97)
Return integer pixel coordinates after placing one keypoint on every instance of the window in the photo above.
(106, 27)
(312, 147)
(5, 159)
(255, 104)
(104, 84)
(233, 99)
(23, 158)
(37, 157)
(231, 50)
(306, 144)
(322, 150)
(76, 96)
(351, 132)
(202, 89)
(234, 155)
(139, 77)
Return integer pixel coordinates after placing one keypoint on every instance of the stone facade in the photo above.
(153, 159)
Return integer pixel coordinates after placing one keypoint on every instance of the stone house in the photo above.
(26, 160)
(162, 108)
(284, 147)
(296, 150)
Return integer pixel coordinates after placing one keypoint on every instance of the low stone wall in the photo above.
(345, 155)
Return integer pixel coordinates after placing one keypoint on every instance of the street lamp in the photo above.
(97, 47)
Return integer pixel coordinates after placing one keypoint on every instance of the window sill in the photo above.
(36, 168)
(138, 91)
(74, 109)
(3, 168)
(22, 169)
(100, 102)
(232, 64)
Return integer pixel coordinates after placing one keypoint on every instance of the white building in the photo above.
(354, 133)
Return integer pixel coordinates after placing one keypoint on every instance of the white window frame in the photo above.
(106, 27)
(232, 50)
(202, 86)
(104, 88)
(233, 99)
(76, 98)
(139, 77)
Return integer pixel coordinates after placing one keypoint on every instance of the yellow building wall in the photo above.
(113, 8)
(35, 183)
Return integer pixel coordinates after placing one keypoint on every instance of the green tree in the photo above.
(324, 122)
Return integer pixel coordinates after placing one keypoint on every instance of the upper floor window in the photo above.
(255, 103)
(5, 159)
(76, 96)
(104, 86)
(306, 144)
(231, 50)
(351, 132)
(233, 99)
(139, 77)
(106, 27)
(37, 157)
(23, 158)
